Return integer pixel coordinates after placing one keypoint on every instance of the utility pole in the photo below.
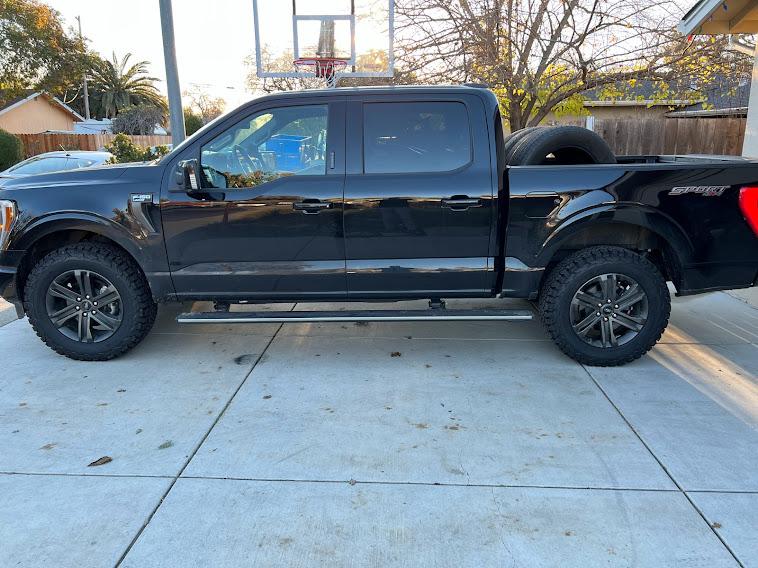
(176, 115)
(84, 75)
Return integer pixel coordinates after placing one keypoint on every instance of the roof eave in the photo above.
(50, 97)
(699, 13)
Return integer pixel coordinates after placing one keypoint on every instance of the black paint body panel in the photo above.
(714, 246)
(384, 235)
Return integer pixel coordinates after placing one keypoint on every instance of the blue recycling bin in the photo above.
(289, 151)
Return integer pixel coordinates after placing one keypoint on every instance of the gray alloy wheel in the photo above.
(84, 306)
(609, 310)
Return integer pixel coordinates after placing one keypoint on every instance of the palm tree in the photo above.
(117, 85)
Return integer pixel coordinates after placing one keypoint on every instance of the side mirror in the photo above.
(187, 175)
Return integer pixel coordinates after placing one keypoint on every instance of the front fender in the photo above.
(26, 235)
(145, 247)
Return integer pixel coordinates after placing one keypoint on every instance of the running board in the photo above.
(349, 316)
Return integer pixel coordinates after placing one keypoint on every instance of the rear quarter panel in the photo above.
(714, 244)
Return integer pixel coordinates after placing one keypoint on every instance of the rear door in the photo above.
(418, 197)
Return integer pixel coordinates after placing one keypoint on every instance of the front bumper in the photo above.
(10, 260)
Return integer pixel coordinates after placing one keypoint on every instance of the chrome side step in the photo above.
(354, 315)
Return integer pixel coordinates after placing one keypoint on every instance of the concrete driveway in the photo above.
(418, 444)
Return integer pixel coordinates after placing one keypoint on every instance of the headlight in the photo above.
(7, 217)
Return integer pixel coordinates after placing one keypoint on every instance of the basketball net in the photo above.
(322, 67)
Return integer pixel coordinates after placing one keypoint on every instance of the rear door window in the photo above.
(415, 137)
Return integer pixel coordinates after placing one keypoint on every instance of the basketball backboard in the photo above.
(357, 36)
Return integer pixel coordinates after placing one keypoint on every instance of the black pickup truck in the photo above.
(379, 194)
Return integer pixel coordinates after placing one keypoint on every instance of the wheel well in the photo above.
(56, 240)
(633, 237)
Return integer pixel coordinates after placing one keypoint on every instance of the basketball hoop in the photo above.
(322, 67)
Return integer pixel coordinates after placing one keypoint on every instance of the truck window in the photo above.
(415, 137)
(287, 141)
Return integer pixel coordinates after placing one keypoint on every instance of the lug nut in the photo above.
(597, 313)
(614, 315)
(616, 306)
(605, 319)
(88, 298)
(95, 303)
(78, 299)
(78, 308)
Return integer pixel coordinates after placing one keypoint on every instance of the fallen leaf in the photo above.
(102, 461)
(352, 482)
(266, 397)
(166, 444)
(396, 354)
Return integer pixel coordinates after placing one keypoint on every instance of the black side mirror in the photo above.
(188, 175)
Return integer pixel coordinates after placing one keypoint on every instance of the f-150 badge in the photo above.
(704, 190)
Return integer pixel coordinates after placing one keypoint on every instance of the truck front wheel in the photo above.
(89, 301)
(605, 306)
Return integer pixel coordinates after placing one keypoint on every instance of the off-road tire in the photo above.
(513, 139)
(567, 144)
(572, 273)
(139, 309)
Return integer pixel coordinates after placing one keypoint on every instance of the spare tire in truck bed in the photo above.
(513, 139)
(560, 145)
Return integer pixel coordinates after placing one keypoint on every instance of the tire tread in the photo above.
(555, 283)
(118, 261)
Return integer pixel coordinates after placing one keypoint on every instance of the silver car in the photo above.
(55, 162)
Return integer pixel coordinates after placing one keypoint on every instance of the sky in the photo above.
(213, 37)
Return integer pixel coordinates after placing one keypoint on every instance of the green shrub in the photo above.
(11, 150)
(192, 122)
(124, 151)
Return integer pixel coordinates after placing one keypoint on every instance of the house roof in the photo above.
(723, 92)
(710, 17)
(29, 95)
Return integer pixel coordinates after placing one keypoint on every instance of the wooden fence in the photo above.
(650, 136)
(626, 136)
(50, 142)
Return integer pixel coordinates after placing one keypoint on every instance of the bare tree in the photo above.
(274, 84)
(539, 56)
(284, 63)
(207, 107)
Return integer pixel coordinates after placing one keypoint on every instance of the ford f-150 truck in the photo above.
(378, 194)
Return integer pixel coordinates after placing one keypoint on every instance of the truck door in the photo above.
(266, 221)
(418, 197)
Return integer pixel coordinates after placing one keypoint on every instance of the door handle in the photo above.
(461, 202)
(310, 207)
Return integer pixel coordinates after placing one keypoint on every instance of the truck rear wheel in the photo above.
(89, 301)
(605, 306)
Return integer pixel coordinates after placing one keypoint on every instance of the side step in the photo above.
(354, 315)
